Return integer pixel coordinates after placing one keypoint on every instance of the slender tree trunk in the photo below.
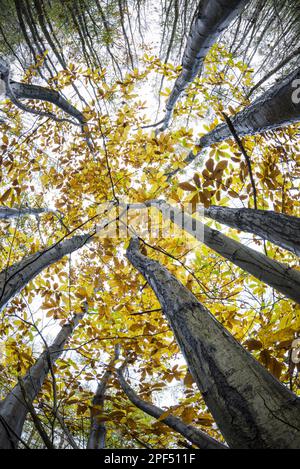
(28, 403)
(273, 273)
(14, 278)
(277, 107)
(272, 72)
(8, 213)
(43, 25)
(282, 230)
(66, 432)
(40, 93)
(97, 436)
(210, 20)
(13, 409)
(194, 435)
(251, 408)
(63, 426)
(16, 91)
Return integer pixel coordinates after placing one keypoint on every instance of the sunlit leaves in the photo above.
(55, 166)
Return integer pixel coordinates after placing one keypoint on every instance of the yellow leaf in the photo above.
(6, 195)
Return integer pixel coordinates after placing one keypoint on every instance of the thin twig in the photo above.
(245, 154)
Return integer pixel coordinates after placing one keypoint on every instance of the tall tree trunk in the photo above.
(65, 430)
(16, 91)
(8, 213)
(277, 107)
(273, 273)
(97, 436)
(194, 435)
(210, 20)
(13, 409)
(282, 230)
(251, 408)
(14, 278)
(40, 93)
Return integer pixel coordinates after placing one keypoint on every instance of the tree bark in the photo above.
(276, 108)
(97, 436)
(194, 435)
(282, 230)
(273, 273)
(16, 91)
(14, 278)
(13, 409)
(35, 418)
(251, 408)
(35, 92)
(7, 213)
(210, 20)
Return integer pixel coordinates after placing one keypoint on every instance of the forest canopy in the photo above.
(149, 224)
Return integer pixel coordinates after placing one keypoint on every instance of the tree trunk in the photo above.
(35, 92)
(16, 91)
(210, 20)
(273, 273)
(277, 107)
(194, 435)
(251, 408)
(97, 436)
(13, 409)
(282, 230)
(7, 213)
(15, 278)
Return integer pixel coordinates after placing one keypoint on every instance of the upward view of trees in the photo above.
(149, 224)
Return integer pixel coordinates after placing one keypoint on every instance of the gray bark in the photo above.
(194, 435)
(210, 20)
(35, 418)
(14, 278)
(282, 230)
(250, 406)
(35, 92)
(97, 436)
(275, 274)
(273, 109)
(14, 409)
(7, 213)
(16, 91)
